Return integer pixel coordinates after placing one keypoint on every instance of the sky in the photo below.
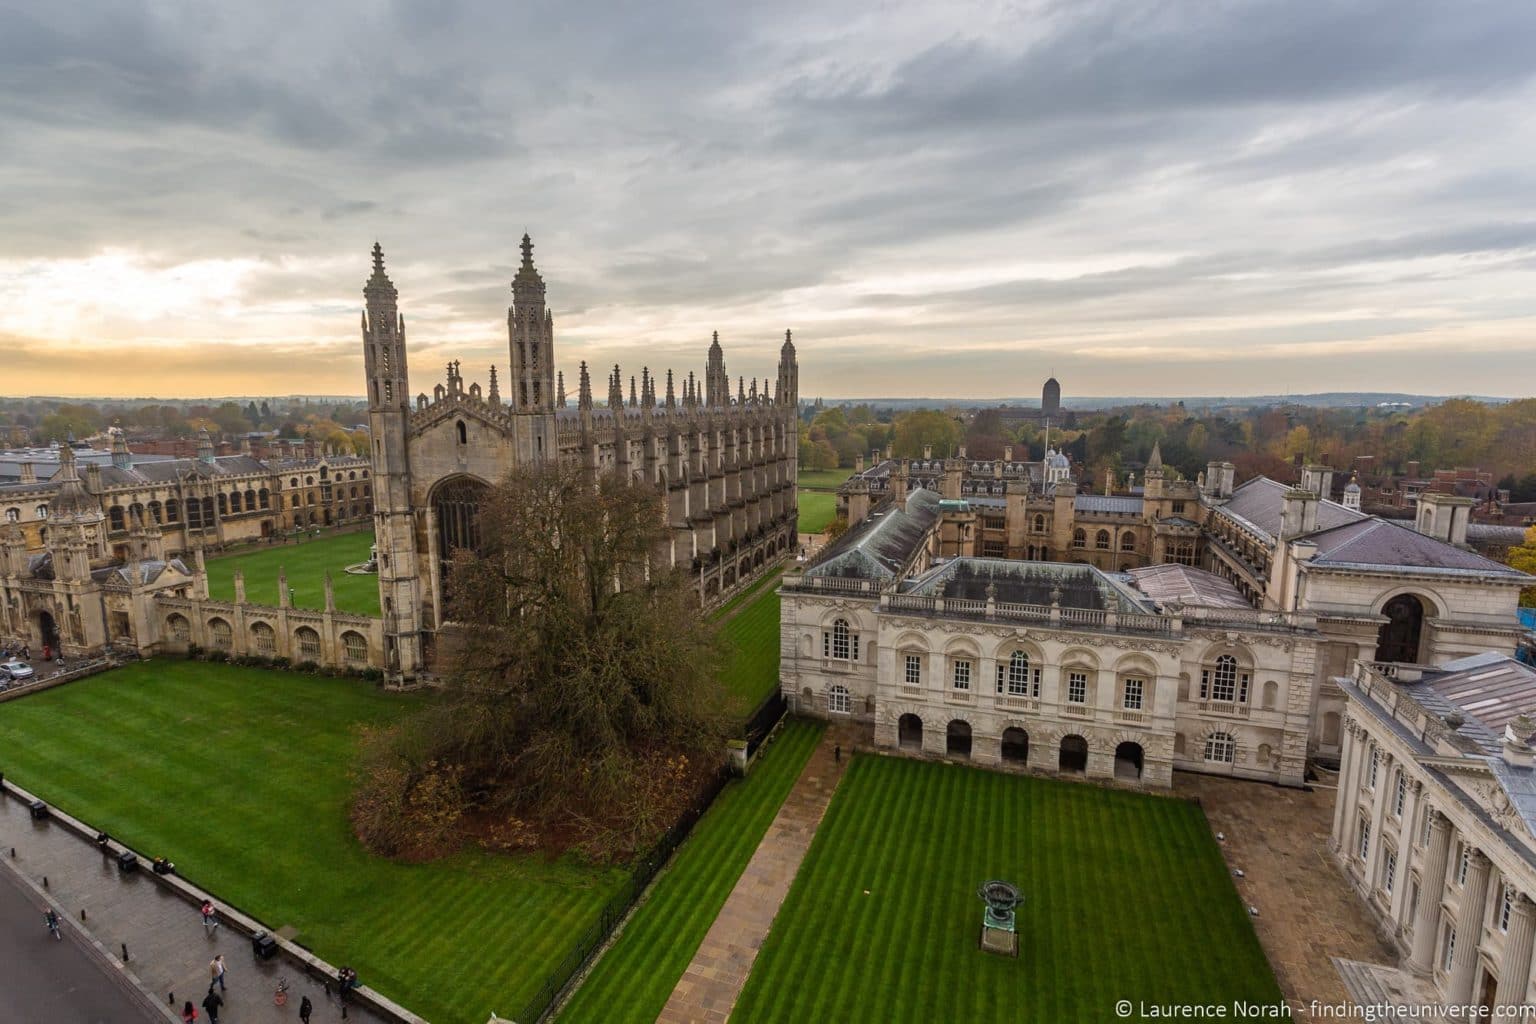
(956, 200)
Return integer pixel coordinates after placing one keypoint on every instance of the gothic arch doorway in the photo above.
(48, 630)
(1128, 760)
(456, 504)
(1398, 639)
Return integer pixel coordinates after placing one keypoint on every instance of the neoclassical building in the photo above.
(1435, 820)
(1044, 666)
(725, 458)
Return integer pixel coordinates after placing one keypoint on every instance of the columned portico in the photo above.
(1469, 930)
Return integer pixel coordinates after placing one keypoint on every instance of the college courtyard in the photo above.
(831, 882)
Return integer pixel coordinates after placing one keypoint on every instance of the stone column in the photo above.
(1348, 765)
(1426, 917)
(1385, 766)
(1405, 838)
(1469, 931)
(1516, 972)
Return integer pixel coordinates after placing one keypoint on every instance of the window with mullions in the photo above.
(1017, 678)
(1077, 688)
(1132, 698)
(1224, 682)
(914, 673)
(840, 642)
(1220, 748)
(962, 674)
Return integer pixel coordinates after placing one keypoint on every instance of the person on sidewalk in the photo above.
(305, 1009)
(188, 1012)
(216, 973)
(211, 1002)
(210, 921)
(53, 923)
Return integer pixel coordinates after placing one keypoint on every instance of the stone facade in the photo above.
(726, 462)
(1435, 818)
(1043, 666)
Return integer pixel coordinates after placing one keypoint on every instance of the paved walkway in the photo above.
(45, 982)
(1308, 914)
(710, 985)
(167, 948)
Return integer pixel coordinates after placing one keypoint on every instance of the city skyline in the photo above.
(1253, 199)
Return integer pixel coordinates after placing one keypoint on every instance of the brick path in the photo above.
(1308, 914)
(168, 950)
(710, 985)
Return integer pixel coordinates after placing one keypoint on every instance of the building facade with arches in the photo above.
(724, 457)
(1049, 667)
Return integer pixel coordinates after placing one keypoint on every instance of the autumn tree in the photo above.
(586, 696)
(926, 427)
(1523, 557)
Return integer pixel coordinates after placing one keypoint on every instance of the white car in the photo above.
(17, 670)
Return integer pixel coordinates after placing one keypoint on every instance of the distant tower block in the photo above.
(1050, 399)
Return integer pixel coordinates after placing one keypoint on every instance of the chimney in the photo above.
(1413, 470)
(1298, 514)
(1318, 479)
(93, 478)
(1444, 517)
(28, 473)
(1517, 746)
(858, 464)
(1007, 453)
(858, 500)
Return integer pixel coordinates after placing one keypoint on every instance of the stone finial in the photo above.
(560, 400)
(584, 388)
(741, 390)
(616, 389)
(671, 396)
(495, 394)
(633, 401)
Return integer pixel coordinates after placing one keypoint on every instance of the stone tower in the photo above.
(1050, 400)
(394, 524)
(717, 386)
(531, 335)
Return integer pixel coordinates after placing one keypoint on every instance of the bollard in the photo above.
(45, 881)
(125, 952)
(170, 998)
(82, 913)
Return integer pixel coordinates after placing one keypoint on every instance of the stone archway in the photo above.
(1073, 756)
(909, 732)
(1129, 759)
(957, 738)
(1015, 746)
(456, 504)
(48, 630)
(1398, 639)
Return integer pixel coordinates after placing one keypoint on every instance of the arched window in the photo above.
(223, 504)
(293, 481)
(157, 512)
(179, 628)
(263, 638)
(208, 511)
(235, 503)
(463, 433)
(838, 701)
(1079, 538)
(41, 511)
(1102, 540)
(115, 519)
(1128, 541)
(172, 511)
(309, 643)
(840, 642)
(309, 481)
(13, 515)
(1017, 678)
(223, 635)
(1224, 682)
(250, 501)
(264, 497)
(355, 646)
(1039, 524)
(1220, 748)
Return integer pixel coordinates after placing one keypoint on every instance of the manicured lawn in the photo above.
(823, 479)
(817, 510)
(752, 635)
(241, 776)
(633, 980)
(1126, 897)
(306, 564)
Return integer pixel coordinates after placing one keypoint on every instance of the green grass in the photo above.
(634, 978)
(240, 776)
(1126, 897)
(752, 640)
(306, 564)
(817, 510)
(823, 479)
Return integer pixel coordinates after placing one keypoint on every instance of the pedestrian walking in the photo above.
(210, 920)
(837, 753)
(305, 1009)
(188, 1012)
(216, 973)
(211, 1002)
(53, 923)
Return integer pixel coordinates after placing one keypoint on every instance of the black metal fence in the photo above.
(645, 869)
(764, 719)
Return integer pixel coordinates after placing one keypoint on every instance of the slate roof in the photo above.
(1259, 502)
(1382, 544)
(1019, 582)
(1186, 585)
(882, 545)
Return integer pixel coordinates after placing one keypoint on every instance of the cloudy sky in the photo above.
(940, 199)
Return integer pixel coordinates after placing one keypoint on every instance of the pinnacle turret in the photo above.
(584, 389)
